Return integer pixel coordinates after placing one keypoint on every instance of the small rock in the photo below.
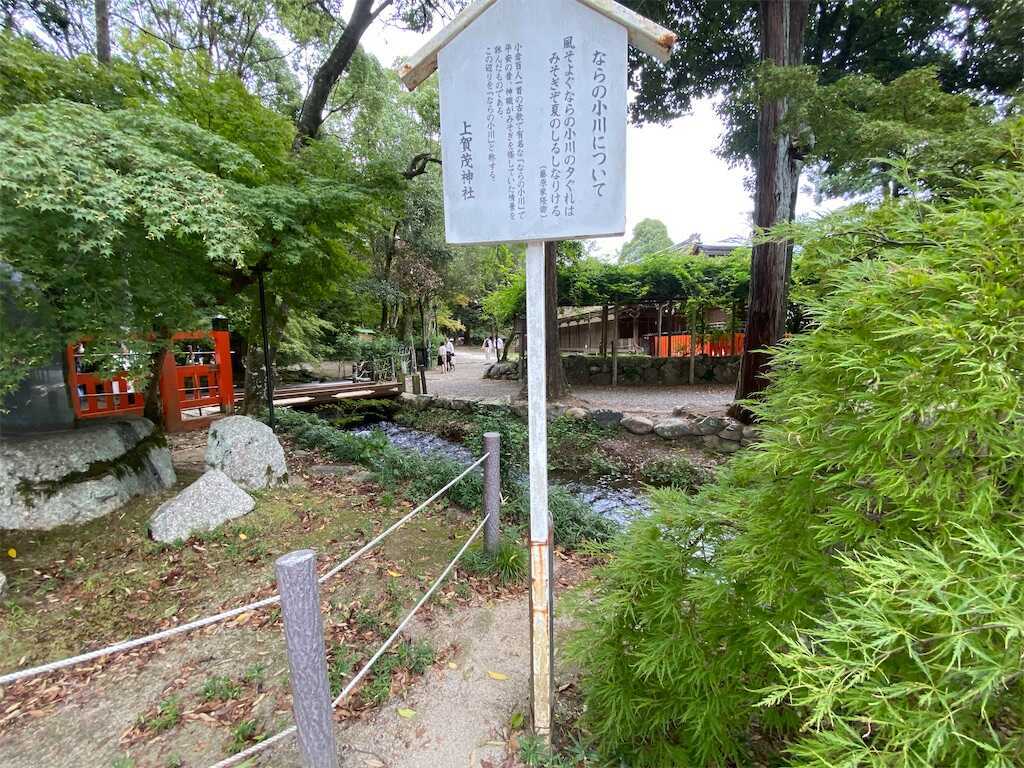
(750, 432)
(606, 418)
(732, 430)
(555, 410)
(709, 425)
(673, 429)
(638, 425)
(210, 501)
(577, 413)
(680, 410)
(715, 443)
(247, 451)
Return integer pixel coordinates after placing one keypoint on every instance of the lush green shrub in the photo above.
(850, 588)
(509, 565)
(675, 472)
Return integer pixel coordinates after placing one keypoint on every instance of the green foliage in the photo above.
(650, 236)
(220, 688)
(849, 588)
(168, 715)
(697, 279)
(509, 565)
(675, 472)
(575, 524)
(243, 735)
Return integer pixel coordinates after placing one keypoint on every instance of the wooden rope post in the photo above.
(492, 491)
(304, 638)
(423, 379)
(542, 647)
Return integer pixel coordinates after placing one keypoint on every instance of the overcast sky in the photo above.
(672, 171)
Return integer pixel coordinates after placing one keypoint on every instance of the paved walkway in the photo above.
(467, 382)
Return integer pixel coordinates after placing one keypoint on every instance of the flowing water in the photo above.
(615, 503)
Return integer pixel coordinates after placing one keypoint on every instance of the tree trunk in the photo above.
(778, 174)
(657, 344)
(692, 328)
(103, 31)
(152, 407)
(311, 116)
(615, 347)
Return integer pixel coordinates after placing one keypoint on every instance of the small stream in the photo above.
(615, 503)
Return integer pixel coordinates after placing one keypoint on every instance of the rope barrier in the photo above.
(291, 730)
(128, 645)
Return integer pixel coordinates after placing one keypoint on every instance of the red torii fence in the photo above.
(203, 380)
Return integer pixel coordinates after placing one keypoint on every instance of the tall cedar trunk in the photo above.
(311, 115)
(103, 31)
(778, 175)
(152, 406)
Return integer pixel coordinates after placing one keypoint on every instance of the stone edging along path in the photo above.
(721, 434)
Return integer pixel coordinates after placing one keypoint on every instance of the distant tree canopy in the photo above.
(693, 279)
(650, 236)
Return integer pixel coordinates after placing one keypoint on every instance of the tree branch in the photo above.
(418, 165)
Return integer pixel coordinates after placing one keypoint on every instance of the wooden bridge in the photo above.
(329, 392)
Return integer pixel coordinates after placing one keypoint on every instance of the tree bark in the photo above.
(777, 178)
(311, 116)
(103, 31)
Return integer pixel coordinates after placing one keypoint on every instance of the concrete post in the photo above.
(307, 661)
(492, 491)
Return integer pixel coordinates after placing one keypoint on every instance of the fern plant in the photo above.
(848, 593)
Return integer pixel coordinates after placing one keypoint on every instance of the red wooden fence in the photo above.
(712, 345)
(192, 379)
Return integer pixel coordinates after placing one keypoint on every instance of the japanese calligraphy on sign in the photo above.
(533, 124)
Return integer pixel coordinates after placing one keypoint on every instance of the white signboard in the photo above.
(533, 124)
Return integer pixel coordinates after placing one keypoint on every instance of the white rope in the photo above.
(371, 544)
(128, 645)
(291, 730)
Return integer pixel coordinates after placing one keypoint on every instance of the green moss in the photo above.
(131, 462)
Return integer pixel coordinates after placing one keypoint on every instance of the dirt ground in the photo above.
(192, 700)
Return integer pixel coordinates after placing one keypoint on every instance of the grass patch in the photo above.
(167, 715)
(508, 565)
(221, 688)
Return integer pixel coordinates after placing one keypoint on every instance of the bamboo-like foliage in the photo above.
(849, 592)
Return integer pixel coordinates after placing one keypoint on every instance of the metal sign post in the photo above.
(542, 645)
(533, 143)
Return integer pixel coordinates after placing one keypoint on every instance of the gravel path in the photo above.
(467, 382)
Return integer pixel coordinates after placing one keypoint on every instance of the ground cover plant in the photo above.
(848, 592)
(420, 476)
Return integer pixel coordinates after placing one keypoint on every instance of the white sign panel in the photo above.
(533, 124)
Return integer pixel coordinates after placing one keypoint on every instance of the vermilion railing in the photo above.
(678, 345)
(191, 379)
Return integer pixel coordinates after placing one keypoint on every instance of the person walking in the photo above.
(449, 350)
(499, 347)
(442, 356)
(487, 349)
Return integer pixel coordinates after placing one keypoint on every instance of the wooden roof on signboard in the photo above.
(651, 38)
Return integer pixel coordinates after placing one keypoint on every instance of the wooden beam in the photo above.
(653, 39)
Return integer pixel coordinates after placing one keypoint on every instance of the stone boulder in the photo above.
(77, 475)
(606, 418)
(3, 586)
(247, 451)
(210, 501)
(577, 413)
(638, 425)
(675, 428)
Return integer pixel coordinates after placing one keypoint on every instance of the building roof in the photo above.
(651, 38)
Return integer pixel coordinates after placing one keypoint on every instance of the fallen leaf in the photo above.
(497, 676)
(12, 552)
(407, 713)
(395, 574)
(452, 665)
(243, 537)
